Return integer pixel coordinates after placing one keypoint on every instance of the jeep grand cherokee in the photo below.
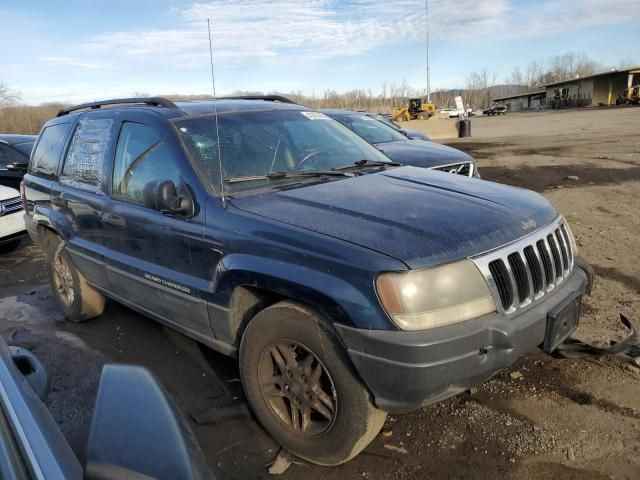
(346, 286)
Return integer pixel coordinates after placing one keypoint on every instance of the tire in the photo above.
(421, 116)
(78, 301)
(9, 246)
(354, 420)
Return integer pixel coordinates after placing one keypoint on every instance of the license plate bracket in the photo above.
(562, 322)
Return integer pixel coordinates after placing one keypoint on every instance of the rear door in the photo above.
(79, 197)
(43, 172)
(150, 261)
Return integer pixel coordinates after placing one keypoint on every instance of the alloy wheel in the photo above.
(297, 387)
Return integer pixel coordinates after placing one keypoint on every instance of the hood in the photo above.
(422, 153)
(6, 193)
(421, 217)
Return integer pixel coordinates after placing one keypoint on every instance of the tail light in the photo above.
(23, 197)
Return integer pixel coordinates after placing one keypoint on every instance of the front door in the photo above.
(149, 262)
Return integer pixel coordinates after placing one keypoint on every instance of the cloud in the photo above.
(70, 62)
(322, 29)
(312, 29)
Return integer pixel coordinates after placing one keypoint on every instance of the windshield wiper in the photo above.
(276, 175)
(366, 163)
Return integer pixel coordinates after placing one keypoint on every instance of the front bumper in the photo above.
(12, 227)
(407, 370)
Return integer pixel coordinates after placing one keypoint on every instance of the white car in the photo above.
(452, 112)
(12, 227)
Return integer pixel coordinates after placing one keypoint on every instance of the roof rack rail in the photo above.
(151, 101)
(266, 98)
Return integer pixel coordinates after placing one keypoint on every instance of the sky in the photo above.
(82, 50)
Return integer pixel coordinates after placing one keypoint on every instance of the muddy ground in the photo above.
(570, 418)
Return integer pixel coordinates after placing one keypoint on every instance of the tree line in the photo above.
(477, 92)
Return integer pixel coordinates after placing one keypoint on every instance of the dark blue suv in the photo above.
(346, 285)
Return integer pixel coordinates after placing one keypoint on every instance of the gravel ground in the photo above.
(544, 417)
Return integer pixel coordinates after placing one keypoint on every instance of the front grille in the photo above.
(523, 272)
(10, 206)
(463, 168)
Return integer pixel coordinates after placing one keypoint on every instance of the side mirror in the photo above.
(17, 166)
(138, 433)
(163, 196)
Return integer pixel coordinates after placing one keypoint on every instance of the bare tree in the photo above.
(8, 96)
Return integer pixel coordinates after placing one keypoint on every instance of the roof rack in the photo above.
(151, 101)
(266, 98)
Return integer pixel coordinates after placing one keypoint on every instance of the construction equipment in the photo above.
(416, 109)
(560, 98)
(629, 95)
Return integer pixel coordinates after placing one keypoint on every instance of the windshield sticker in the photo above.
(315, 116)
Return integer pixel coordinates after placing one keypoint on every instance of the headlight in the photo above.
(434, 297)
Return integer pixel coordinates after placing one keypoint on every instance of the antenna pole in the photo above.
(428, 67)
(215, 112)
(213, 77)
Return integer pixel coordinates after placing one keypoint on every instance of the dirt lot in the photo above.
(571, 419)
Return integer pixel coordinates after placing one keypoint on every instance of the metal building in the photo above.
(598, 89)
(523, 101)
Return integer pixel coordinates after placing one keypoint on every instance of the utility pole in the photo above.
(428, 67)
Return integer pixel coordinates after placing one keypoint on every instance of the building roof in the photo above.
(614, 71)
(519, 95)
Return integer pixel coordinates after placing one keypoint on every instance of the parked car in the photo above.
(495, 110)
(346, 286)
(451, 112)
(412, 134)
(12, 227)
(136, 431)
(14, 158)
(399, 148)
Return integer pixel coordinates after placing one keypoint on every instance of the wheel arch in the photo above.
(250, 291)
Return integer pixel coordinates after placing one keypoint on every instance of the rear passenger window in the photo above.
(142, 156)
(84, 166)
(47, 155)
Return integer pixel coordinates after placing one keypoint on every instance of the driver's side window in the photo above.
(142, 156)
(8, 155)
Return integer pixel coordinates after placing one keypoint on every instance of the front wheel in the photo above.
(302, 387)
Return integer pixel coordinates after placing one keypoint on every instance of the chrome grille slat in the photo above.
(549, 265)
(567, 241)
(542, 276)
(521, 273)
(527, 269)
(11, 205)
(514, 285)
(555, 254)
(563, 251)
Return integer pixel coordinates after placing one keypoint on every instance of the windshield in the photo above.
(386, 121)
(255, 144)
(369, 128)
(25, 147)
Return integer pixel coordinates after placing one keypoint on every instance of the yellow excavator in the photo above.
(416, 109)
